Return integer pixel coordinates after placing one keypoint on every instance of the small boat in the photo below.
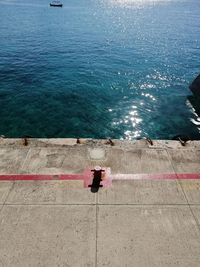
(56, 4)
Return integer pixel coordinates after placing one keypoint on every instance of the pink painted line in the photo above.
(107, 181)
(162, 176)
(142, 176)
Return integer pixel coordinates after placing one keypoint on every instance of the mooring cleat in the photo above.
(97, 178)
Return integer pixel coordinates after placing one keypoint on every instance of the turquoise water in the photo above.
(99, 68)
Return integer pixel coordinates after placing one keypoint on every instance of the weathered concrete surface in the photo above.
(52, 156)
(133, 223)
(147, 236)
(196, 212)
(50, 192)
(5, 187)
(185, 161)
(55, 160)
(47, 236)
(11, 159)
(192, 190)
(143, 192)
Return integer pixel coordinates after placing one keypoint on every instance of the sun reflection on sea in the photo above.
(135, 3)
(133, 118)
(129, 135)
(196, 118)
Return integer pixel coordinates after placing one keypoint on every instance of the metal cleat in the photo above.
(183, 139)
(97, 178)
(149, 141)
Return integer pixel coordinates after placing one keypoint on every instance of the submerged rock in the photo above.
(195, 86)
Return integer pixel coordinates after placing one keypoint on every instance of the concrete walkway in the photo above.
(58, 156)
(145, 222)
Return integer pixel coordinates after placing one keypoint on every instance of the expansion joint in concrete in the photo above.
(24, 161)
(196, 220)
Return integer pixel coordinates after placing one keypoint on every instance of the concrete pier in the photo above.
(148, 214)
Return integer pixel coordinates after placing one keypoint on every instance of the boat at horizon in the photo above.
(56, 4)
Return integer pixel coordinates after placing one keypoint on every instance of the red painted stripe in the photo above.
(188, 175)
(87, 177)
(25, 177)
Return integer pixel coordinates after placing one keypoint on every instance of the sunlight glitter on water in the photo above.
(136, 3)
(98, 68)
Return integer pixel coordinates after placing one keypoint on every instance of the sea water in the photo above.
(99, 68)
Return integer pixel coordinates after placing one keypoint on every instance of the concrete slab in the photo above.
(172, 144)
(146, 161)
(196, 211)
(56, 156)
(198, 153)
(192, 190)
(4, 190)
(139, 161)
(50, 192)
(53, 142)
(47, 236)
(156, 161)
(142, 192)
(55, 161)
(165, 144)
(134, 144)
(115, 160)
(196, 144)
(11, 159)
(147, 236)
(97, 153)
(37, 142)
(131, 162)
(185, 160)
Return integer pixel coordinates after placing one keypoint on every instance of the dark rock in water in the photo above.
(195, 86)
